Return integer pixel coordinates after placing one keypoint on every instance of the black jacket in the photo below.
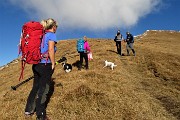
(129, 38)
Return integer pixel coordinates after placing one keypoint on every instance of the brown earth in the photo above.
(144, 87)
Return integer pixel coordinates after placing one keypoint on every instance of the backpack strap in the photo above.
(42, 43)
(19, 45)
(22, 69)
(45, 56)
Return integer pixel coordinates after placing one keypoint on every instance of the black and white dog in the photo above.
(66, 66)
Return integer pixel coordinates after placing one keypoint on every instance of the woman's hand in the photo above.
(53, 66)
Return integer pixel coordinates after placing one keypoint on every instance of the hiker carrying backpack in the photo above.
(42, 71)
(30, 43)
(83, 49)
(130, 41)
(129, 38)
(80, 45)
(118, 39)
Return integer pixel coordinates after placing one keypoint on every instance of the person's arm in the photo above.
(52, 53)
(115, 38)
(127, 38)
(131, 38)
(87, 46)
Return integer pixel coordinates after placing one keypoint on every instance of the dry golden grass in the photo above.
(145, 87)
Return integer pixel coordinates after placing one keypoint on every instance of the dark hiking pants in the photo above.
(119, 49)
(41, 84)
(130, 46)
(85, 56)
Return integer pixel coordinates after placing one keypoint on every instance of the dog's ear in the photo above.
(63, 63)
(62, 59)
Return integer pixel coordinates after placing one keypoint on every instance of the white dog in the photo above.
(110, 64)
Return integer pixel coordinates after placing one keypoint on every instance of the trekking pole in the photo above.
(16, 86)
(28, 79)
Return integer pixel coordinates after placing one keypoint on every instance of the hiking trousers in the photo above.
(85, 56)
(42, 80)
(118, 46)
(130, 46)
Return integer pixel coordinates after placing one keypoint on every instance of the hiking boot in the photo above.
(29, 113)
(134, 54)
(42, 118)
(86, 67)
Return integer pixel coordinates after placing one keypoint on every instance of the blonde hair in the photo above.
(85, 38)
(49, 23)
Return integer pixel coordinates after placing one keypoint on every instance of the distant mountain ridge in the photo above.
(146, 32)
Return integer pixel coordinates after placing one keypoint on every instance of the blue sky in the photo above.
(93, 18)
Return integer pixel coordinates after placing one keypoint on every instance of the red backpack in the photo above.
(30, 43)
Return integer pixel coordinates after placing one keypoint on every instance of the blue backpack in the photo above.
(80, 45)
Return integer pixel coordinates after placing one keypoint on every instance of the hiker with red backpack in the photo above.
(43, 71)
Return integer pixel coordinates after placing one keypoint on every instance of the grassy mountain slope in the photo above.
(144, 87)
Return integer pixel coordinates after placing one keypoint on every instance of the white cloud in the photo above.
(90, 14)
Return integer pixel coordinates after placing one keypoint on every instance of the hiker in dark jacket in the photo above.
(118, 39)
(130, 41)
